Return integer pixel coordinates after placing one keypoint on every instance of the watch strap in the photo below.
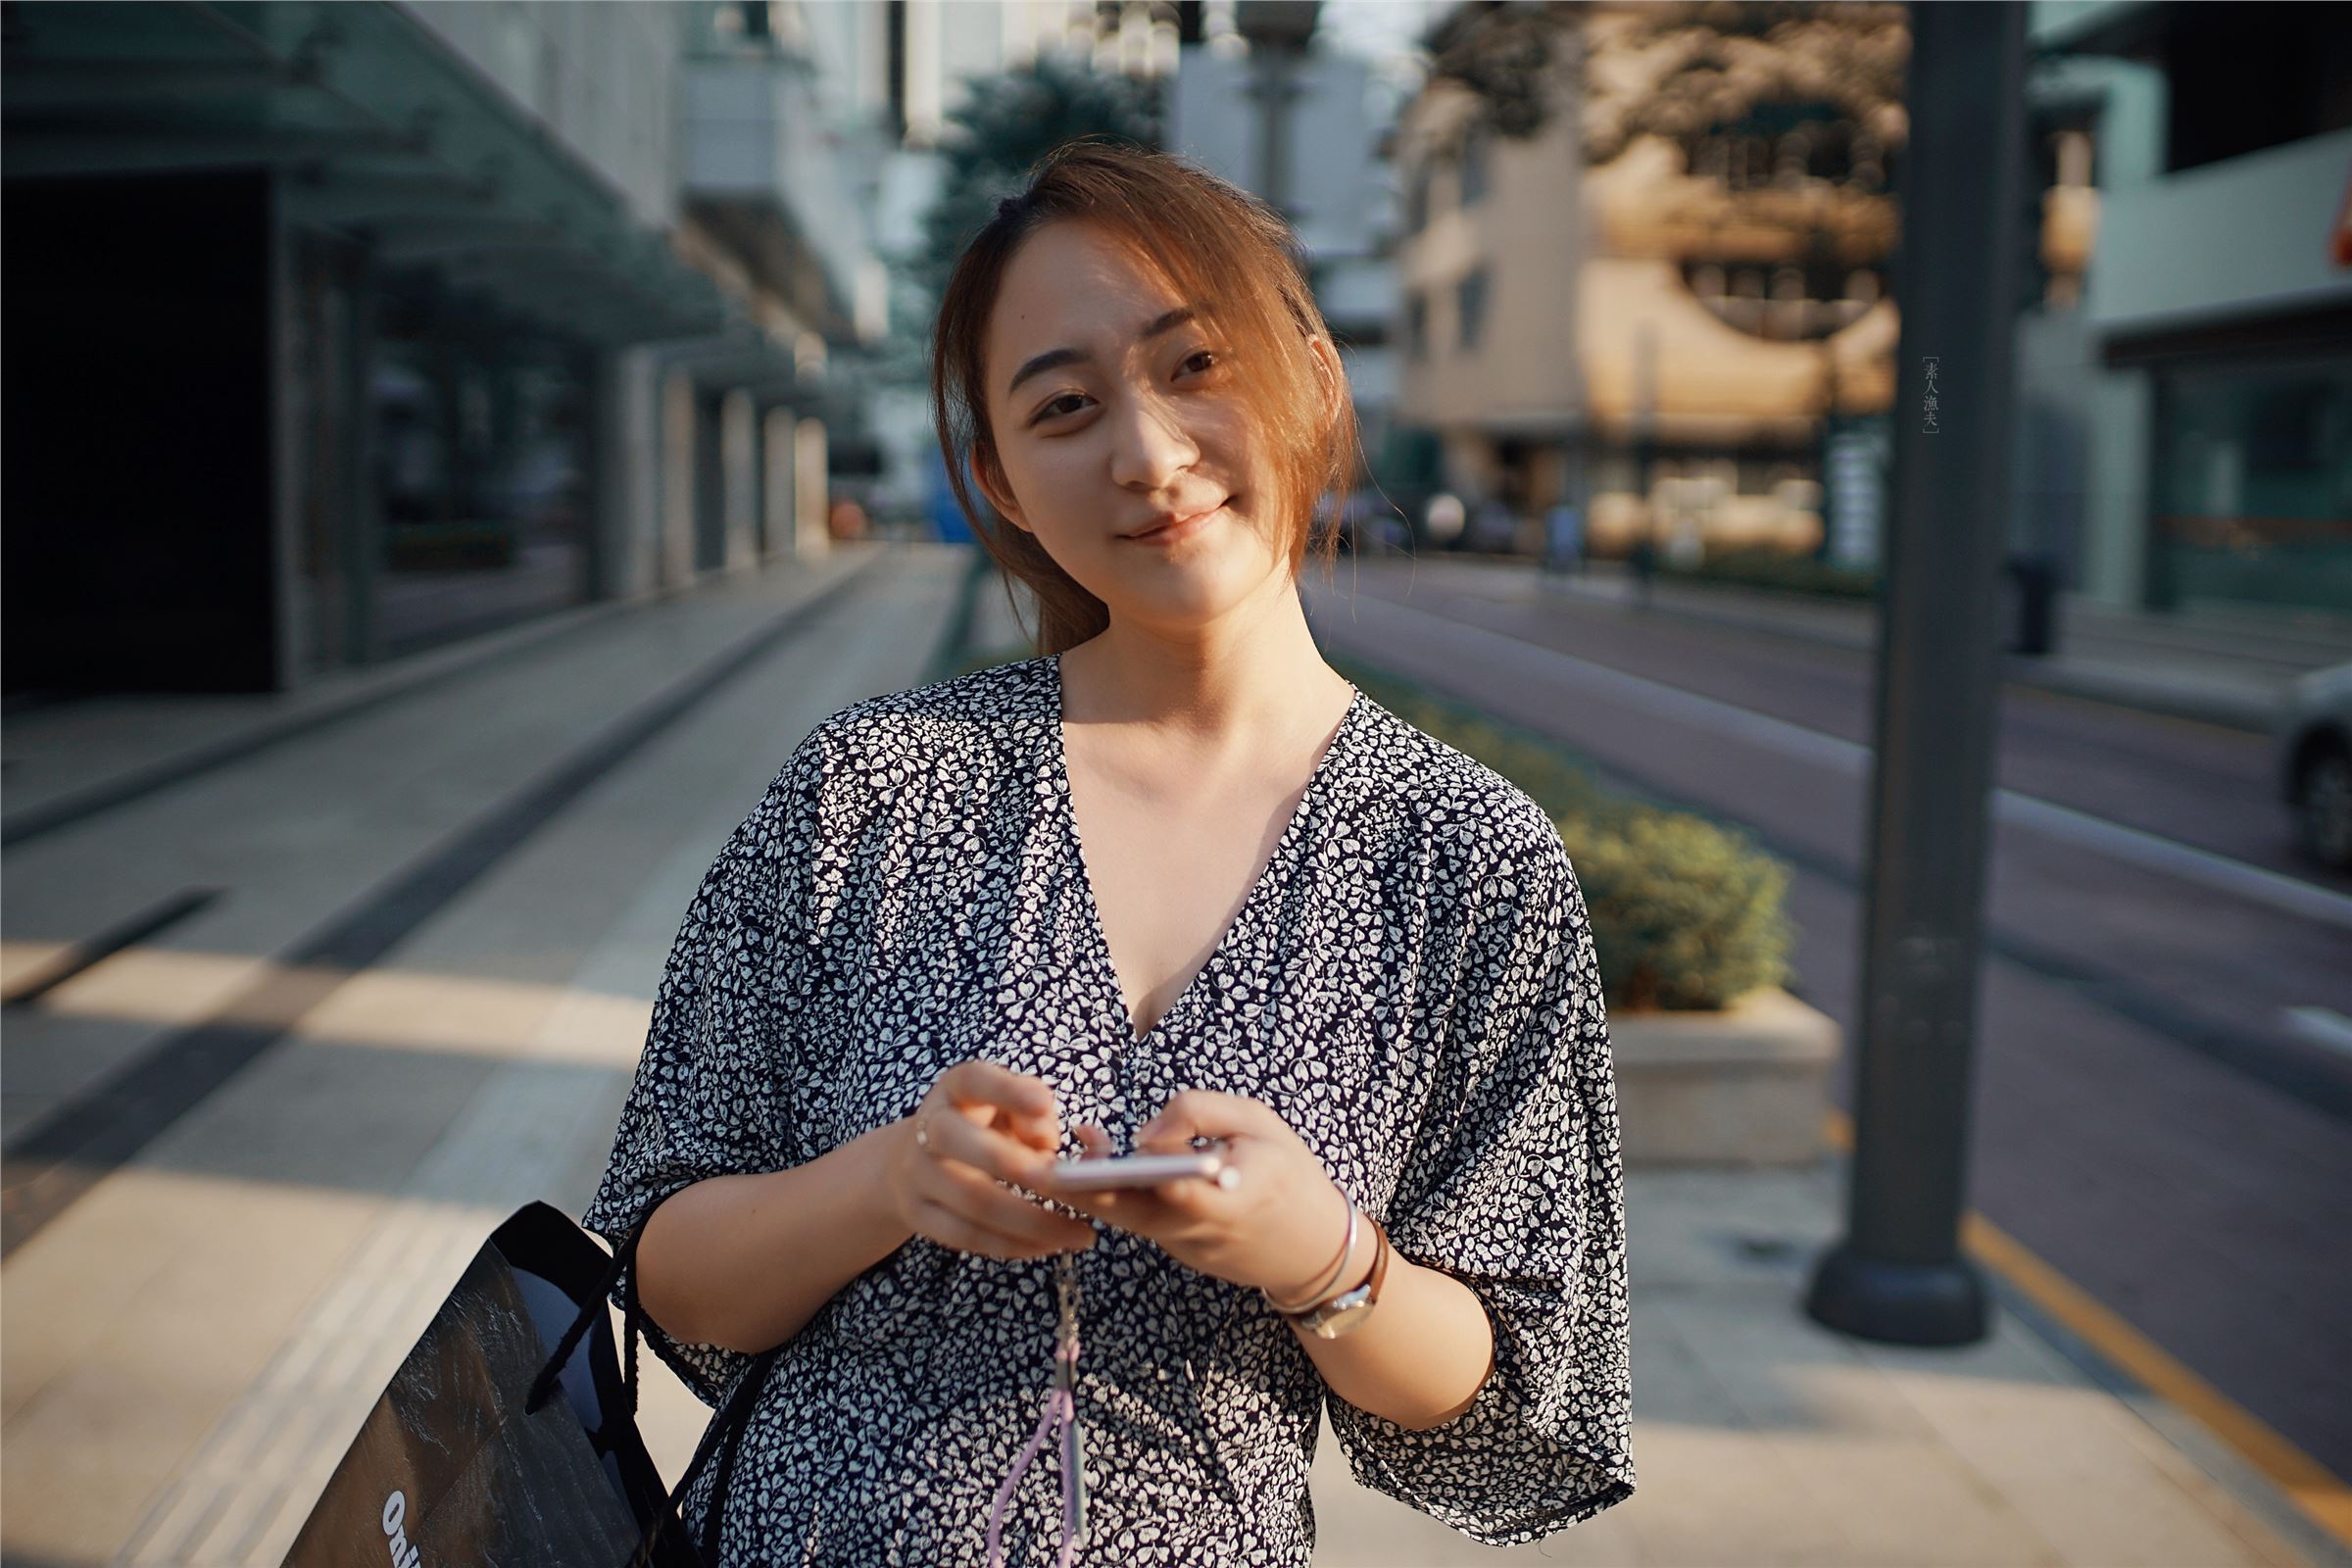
(1344, 1312)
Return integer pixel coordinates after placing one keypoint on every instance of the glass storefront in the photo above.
(330, 502)
(2253, 486)
(482, 460)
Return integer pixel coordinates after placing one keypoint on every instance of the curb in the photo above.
(316, 707)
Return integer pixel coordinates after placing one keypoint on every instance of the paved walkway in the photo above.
(194, 1332)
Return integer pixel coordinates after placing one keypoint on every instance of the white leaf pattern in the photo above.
(1411, 984)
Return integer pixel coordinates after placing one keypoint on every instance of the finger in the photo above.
(1199, 1114)
(1142, 1210)
(956, 1135)
(974, 1201)
(949, 1228)
(1188, 1198)
(1029, 1128)
(1016, 1095)
(971, 1197)
(1093, 1143)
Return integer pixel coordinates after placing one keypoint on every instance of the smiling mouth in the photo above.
(1180, 522)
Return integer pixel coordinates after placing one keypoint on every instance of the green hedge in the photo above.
(1686, 914)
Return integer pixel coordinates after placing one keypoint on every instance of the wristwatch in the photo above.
(1346, 1311)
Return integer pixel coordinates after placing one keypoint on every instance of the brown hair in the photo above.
(1226, 252)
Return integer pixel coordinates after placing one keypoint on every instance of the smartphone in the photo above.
(1140, 1170)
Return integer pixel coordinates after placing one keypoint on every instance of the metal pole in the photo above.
(1279, 33)
(1646, 452)
(1273, 86)
(1898, 1275)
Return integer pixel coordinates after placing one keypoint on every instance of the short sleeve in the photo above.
(712, 1091)
(1516, 1189)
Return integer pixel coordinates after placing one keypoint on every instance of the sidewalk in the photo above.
(1739, 1398)
(191, 1343)
(2228, 668)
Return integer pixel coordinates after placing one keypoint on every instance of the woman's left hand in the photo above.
(1278, 1228)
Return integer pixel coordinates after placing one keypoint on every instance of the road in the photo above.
(2163, 1094)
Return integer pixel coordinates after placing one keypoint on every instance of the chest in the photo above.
(1125, 942)
(1168, 881)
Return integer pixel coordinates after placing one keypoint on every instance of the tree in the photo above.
(1696, 64)
(1006, 122)
(1504, 53)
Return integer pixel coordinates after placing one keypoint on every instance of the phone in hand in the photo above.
(1140, 1170)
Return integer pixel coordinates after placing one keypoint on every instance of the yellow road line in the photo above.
(2318, 1492)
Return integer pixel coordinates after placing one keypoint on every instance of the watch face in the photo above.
(1353, 1307)
(1341, 1314)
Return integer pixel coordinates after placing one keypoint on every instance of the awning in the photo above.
(381, 131)
(2127, 28)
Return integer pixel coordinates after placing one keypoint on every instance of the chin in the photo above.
(1200, 588)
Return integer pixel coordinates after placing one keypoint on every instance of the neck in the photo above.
(1222, 689)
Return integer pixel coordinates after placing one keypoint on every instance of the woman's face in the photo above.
(1138, 420)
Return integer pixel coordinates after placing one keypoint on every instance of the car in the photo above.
(2312, 761)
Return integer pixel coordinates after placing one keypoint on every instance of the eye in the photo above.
(1055, 410)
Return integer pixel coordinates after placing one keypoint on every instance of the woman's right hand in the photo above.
(984, 1125)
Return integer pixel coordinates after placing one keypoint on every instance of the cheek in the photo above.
(1049, 478)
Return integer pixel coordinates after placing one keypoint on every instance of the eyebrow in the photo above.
(1167, 322)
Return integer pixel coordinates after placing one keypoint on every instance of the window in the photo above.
(1416, 324)
(1470, 306)
(2253, 498)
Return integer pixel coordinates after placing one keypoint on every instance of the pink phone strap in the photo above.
(1061, 1410)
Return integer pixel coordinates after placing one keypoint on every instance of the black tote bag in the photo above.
(509, 1435)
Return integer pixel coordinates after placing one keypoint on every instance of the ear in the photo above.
(983, 475)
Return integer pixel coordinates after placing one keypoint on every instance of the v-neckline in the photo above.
(1108, 966)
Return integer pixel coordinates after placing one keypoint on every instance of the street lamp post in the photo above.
(1898, 1276)
(1646, 451)
(1278, 31)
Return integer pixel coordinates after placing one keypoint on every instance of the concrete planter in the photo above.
(1744, 1086)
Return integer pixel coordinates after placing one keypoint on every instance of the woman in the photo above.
(1297, 925)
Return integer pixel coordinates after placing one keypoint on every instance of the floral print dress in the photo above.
(1410, 983)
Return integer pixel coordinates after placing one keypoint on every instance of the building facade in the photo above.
(1659, 310)
(1297, 121)
(1695, 282)
(340, 331)
(2188, 444)
(915, 62)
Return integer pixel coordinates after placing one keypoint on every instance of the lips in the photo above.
(1176, 524)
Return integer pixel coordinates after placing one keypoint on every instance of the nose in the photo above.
(1149, 444)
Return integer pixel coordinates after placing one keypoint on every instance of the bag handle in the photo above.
(726, 1430)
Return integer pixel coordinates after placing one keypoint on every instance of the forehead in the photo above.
(1070, 284)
